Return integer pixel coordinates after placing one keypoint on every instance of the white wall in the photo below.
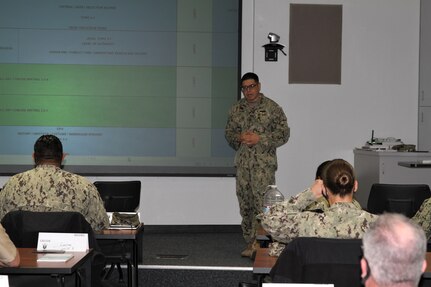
(380, 50)
(379, 85)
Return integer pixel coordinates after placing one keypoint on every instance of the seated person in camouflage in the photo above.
(342, 219)
(423, 217)
(322, 203)
(49, 188)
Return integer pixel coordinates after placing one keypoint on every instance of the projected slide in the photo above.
(128, 86)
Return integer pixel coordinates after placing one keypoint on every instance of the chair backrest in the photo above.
(120, 195)
(23, 227)
(320, 260)
(399, 198)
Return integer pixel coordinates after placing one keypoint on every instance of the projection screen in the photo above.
(131, 87)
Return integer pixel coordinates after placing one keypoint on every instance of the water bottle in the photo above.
(272, 196)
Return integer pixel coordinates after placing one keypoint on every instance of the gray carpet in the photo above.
(200, 256)
(194, 249)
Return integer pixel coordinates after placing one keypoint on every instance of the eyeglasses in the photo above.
(249, 87)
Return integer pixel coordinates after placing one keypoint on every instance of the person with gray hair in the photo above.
(394, 252)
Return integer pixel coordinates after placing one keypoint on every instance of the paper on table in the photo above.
(295, 285)
(55, 257)
(4, 281)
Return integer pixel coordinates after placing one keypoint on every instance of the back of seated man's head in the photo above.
(321, 168)
(394, 252)
(48, 148)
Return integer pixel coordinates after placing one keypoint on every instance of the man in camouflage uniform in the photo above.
(256, 126)
(49, 188)
(292, 218)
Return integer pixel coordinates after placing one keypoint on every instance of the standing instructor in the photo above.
(255, 128)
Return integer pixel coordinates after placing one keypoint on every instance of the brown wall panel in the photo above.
(315, 44)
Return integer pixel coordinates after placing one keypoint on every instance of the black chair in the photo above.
(320, 260)
(118, 196)
(398, 198)
(23, 228)
(121, 196)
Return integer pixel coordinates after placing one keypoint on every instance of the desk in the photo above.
(384, 167)
(30, 266)
(263, 264)
(122, 235)
(427, 273)
(262, 237)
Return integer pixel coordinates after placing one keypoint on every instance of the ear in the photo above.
(424, 266)
(324, 191)
(63, 156)
(32, 155)
(355, 186)
(364, 271)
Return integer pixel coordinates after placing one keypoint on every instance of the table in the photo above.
(123, 235)
(384, 167)
(263, 264)
(30, 266)
(427, 273)
(262, 237)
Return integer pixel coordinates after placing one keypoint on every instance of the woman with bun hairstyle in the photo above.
(342, 218)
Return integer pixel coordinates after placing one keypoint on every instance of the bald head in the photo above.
(395, 249)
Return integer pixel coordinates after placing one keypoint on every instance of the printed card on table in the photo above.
(4, 281)
(51, 242)
(295, 285)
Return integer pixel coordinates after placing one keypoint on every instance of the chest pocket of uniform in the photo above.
(263, 118)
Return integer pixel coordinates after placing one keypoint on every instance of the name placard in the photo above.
(4, 281)
(53, 242)
(295, 285)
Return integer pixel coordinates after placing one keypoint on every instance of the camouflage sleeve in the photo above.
(232, 131)
(280, 131)
(302, 199)
(2, 203)
(275, 248)
(96, 212)
(423, 217)
(283, 220)
(320, 204)
(6, 193)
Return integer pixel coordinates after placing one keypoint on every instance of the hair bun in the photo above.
(339, 177)
(343, 180)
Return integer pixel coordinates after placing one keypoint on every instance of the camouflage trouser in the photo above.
(250, 190)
